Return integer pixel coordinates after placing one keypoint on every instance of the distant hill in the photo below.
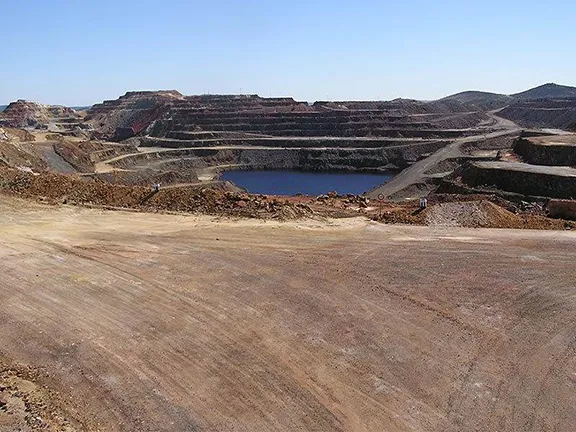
(483, 100)
(3, 107)
(546, 106)
(547, 91)
(81, 108)
(490, 101)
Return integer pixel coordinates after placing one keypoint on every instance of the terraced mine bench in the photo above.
(551, 150)
(522, 178)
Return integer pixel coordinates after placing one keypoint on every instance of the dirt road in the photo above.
(149, 322)
(417, 172)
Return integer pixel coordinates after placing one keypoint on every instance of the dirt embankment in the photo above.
(58, 188)
(148, 177)
(83, 155)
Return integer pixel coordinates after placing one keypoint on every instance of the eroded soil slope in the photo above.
(148, 322)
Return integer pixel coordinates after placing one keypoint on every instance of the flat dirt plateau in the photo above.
(119, 321)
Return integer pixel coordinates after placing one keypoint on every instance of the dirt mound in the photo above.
(471, 211)
(21, 155)
(218, 200)
(69, 189)
(74, 155)
(20, 135)
(472, 214)
(485, 214)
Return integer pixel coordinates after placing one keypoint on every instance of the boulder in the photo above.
(563, 209)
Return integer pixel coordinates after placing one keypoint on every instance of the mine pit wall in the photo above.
(318, 125)
(460, 121)
(549, 154)
(283, 126)
(330, 159)
(299, 130)
(410, 132)
(451, 186)
(560, 114)
(281, 143)
(145, 177)
(520, 182)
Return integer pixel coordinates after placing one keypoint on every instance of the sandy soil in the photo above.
(145, 322)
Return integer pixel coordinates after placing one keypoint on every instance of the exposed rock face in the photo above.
(520, 178)
(23, 114)
(131, 113)
(546, 153)
(565, 209)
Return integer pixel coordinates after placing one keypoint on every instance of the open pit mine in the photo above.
(141, 291)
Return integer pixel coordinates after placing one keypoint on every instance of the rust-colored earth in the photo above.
(150, 322)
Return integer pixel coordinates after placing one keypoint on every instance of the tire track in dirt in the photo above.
(156, 322)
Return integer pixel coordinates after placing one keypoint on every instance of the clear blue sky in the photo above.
(82, 52)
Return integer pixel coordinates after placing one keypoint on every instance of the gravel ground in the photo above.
(149, 322)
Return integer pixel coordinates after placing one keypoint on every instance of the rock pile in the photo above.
(347, 200)
(211, 201)
(25, 405)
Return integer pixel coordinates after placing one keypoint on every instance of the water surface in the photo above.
(307, 183)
